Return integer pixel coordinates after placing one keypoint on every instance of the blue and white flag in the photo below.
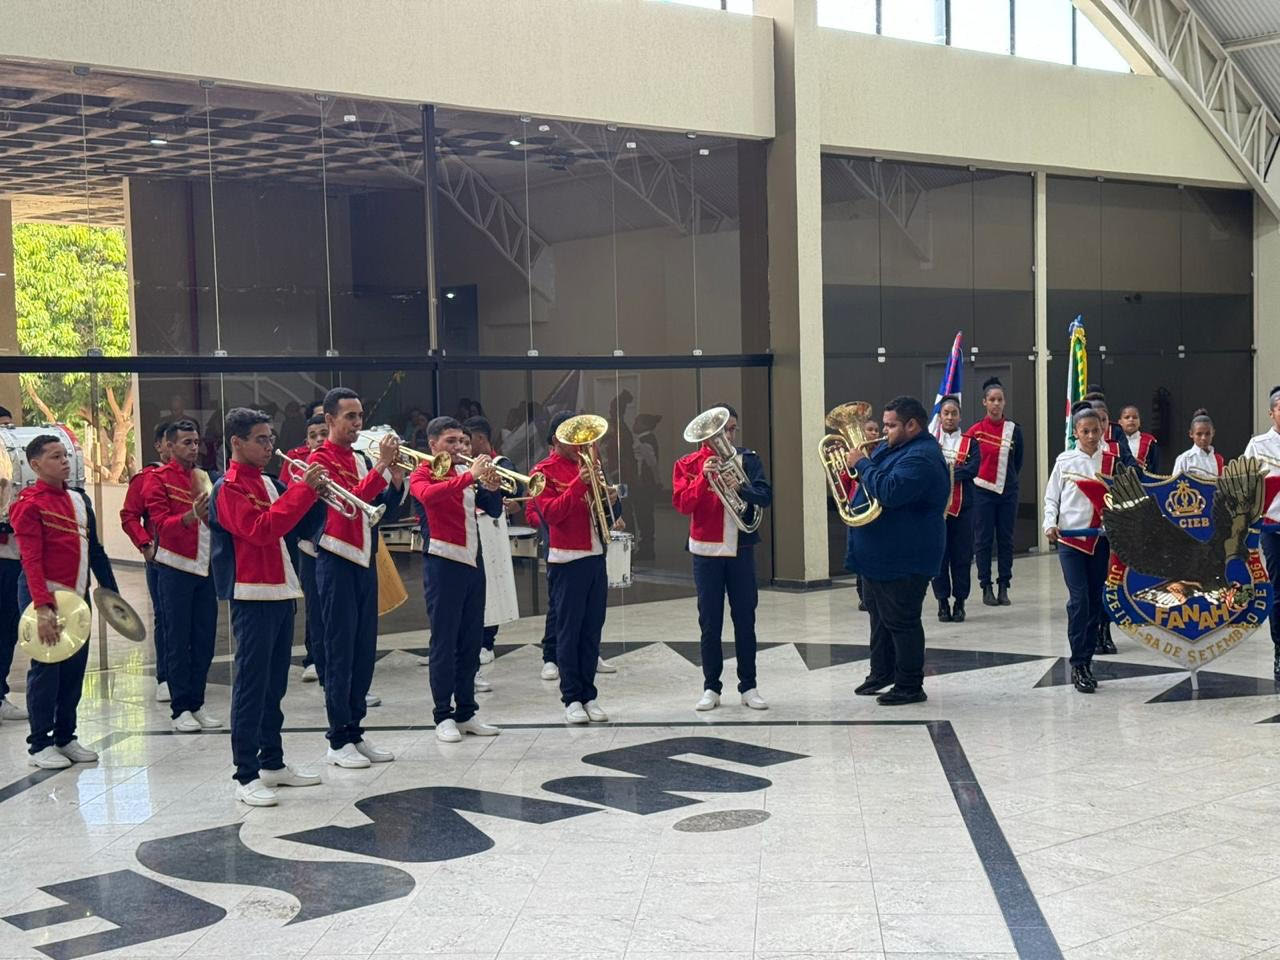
(950, 385)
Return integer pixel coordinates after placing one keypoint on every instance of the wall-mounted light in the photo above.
(514, 143)
(704, 152)
(544, 128)
(449, 295)
(611, 127)
(691, 135)
(348, 118)
(631, 144)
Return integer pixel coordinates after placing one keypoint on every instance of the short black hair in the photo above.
(311, 407)
(908, 409)
(161, 428)
(4, 412)
(554, 425)
(475, 425)
(1130, 406)
(241, 420)
(316, 421)
(1099, 403)
(336, 396)
(36, 447)
(991, 383)
(439, 425)
(176, 427)
(1095, 395)
(948, 398)
(732, 412)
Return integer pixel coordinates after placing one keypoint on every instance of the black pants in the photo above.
(897, 635)
(579, 590)
(190, 620)
(490, 634)
(549, 626)
(1271, 556)
(993, 517)
(1085, 575)
(157, 622)
(10, 611)
(455, 605)
(264, 641)
(953, 579)
(311, 623)
(715, 577)
(348, 596)
(53, 691)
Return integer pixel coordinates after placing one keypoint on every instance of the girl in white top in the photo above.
(1201, 460)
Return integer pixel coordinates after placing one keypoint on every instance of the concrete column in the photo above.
(10, 391)
(1046, 415)
(1266, 310)
(794, 186)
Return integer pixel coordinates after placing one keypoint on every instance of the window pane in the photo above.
(848, 15)
(1094, 50)
(923, 20)
(980, 25)
(1043, 29)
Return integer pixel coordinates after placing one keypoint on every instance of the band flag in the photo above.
(1077, 372)
(950, 385)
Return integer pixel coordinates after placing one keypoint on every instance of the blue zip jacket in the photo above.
(913, 484)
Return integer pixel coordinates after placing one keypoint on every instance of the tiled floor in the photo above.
(1008, 814)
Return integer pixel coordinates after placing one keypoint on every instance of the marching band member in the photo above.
(141, 531)
(996, 497)
(1067, 504)
(58, 539)
(10, 570)
(453, 578)
(550, 670)
(249, 519)
(577, 577)
(1113, 439)
(313, 661)
(180, 513)
(1143, 446)
(1201, 460)
(961, 452)
(347, 580)
(1266, 447)
(724, 562)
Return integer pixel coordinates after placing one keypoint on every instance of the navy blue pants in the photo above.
(579, 590)
(1271, 557)
(312, 629)
(53, 691)
(993, 517)
(190, 620)
(715, 577)
(10, 572)
(348, 596)
(953, 579)
(264, 641)
(490, 634)
(549, 625)
(1085, 575)
(455, 605)
(897, 635)
(157, 622)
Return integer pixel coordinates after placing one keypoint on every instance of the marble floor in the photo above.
(1006, 816)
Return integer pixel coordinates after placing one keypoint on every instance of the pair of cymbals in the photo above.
(73, 620)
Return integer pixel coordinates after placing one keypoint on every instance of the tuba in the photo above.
(845, 425)
(708, 427)
(585, 430)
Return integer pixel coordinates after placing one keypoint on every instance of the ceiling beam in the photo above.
(1249, 43)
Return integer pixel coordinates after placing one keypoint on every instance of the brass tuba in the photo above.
(845, 425)
(708, 427)
(584, 431)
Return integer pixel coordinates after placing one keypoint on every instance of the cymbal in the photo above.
(120, 615)
(73, 629)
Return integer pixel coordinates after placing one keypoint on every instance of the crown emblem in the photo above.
(1184, 501)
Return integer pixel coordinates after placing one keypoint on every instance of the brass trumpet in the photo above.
(585, 431)
(509, 481)
(344, 501)
(407, 458)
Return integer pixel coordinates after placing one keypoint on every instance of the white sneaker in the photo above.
(162, 692)
(447, 731)
(604, 666)
(256, 794)
(550, 671)
(348, 756)
(478, 728)
(753, 700)
(482, 684)
(77, 753)
(372, 700)
(186, 723)
(309, 674)
(11, 711)
(708, 701)
(205, 720)
(287, 777)
(595, 712)
(49, 759)
(374, 754)
(486, 655)
(575, 713)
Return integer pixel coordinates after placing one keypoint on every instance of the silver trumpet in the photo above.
(708, 427)
(344, 501)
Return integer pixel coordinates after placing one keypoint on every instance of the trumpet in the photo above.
(407, 458)
(509, 481)
(339, 498)
(1000, 440)
(586, 430)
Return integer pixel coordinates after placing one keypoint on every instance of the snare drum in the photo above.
(13, 446)
(618, 559)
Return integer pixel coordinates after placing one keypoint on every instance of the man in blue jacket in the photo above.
(898, 552)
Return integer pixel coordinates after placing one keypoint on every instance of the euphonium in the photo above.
(708, 427)
(845, 425)
(344, 501)
(509, 481)
(585, 431)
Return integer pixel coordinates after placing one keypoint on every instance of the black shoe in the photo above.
(1105, 643)
(944, 612)
(1088, 672)
(989, 598)
(1081, 680)
(862, 606)
(957, 612)
(871, 686)
(1003, 599)
(1277, 665)
(896, 697)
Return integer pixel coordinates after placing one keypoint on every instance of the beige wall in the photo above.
(1266, 309)
(632, 61)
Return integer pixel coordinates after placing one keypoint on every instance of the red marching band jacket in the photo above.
(450, 503)
(52, 527)
(134, 519)
(956, 502)
(565, 511)
(257, 517)
(168, 495)
(712, 532)
(350, 539)
(1096, 491)
(1145, 440)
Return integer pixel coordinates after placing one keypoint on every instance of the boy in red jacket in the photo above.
(138, 528)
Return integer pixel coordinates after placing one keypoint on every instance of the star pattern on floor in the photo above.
(1212, 686)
